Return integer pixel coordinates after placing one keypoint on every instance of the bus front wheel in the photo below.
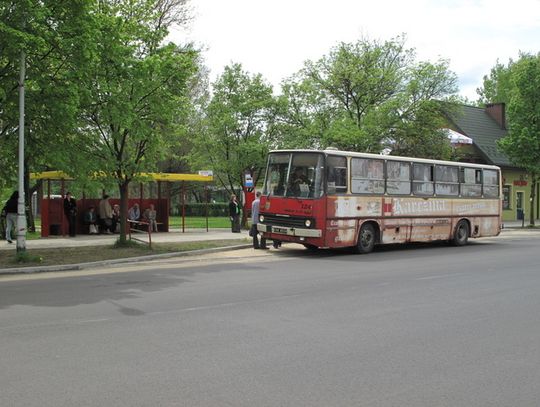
(461, 234)
(366, 239)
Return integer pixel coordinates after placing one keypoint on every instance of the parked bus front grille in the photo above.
(289, 221)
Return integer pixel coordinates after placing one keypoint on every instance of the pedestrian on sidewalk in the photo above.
(105, 215)
(90, 219)
(10, 209)
(70, 210)
(254, 220)
(234, 214)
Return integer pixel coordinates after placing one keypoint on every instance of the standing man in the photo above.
(11, 214)
(105, 214)
(70, 210)
(254, 220)
(234, 214)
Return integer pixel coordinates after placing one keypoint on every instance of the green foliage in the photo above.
(517, 84)
(136, 91)
(367, 96)
(236, 132)
(54, 35)
(523, 142)
(497, 86)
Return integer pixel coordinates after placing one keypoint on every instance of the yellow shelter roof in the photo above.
(153, 176)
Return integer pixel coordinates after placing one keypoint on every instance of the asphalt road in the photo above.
(427, 325)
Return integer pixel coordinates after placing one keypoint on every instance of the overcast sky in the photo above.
(275, 37)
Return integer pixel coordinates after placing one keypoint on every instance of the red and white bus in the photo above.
(330, 199)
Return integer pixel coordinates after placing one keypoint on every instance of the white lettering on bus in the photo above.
(470, 207)
(402, 207)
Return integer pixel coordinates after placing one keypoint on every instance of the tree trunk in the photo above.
(124, 196)
(31, 190)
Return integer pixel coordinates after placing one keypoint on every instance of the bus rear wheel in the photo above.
(366, 239)
(461, 234)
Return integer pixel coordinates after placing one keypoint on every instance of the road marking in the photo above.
(439, 276)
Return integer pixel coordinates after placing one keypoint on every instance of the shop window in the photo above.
(507, 193)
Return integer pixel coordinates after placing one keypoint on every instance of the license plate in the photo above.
(279, 230)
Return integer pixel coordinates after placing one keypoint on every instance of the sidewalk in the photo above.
(515, 224)
(175, 236)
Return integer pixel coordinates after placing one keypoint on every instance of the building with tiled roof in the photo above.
(485, 126)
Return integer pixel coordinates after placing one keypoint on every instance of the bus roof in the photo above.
(388, 157)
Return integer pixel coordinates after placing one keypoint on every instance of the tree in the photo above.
(237, 128)
(496, 86)
(136, 91)
(367, 96)
(55, 37)
(522, 144)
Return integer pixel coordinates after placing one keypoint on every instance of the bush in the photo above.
(199, 209)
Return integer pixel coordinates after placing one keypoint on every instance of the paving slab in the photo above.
(175, 236)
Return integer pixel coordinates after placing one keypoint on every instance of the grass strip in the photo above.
(85, 254)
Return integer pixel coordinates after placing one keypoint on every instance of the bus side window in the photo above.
(336, 180)
(471, 182)
(491, 184)
(446, 180)
(422, 179)
(367, 176)
(398, 180)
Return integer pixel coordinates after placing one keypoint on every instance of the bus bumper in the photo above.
(288, 231)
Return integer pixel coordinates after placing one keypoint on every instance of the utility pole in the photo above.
(21, 213)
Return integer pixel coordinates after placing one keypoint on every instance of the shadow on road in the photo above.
(402, 251)
(112, 288)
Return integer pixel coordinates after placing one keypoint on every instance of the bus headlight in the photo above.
(261, 218)
(307, 223)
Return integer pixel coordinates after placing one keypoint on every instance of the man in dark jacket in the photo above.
(70, 209)
(10, 209)
(234, 214)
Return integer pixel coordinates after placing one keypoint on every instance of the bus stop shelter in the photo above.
(54, 222)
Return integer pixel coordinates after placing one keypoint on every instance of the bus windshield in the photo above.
(296, 175)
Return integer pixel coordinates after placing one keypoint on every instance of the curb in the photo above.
(125, 260)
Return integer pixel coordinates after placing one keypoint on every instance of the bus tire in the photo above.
(366, 239)
(461, 233)
(276, 244)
